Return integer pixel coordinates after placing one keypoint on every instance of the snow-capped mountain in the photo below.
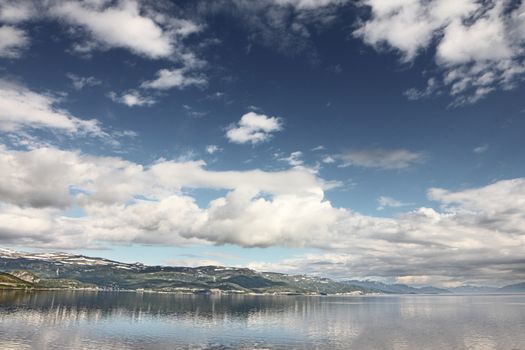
(66, 259)
(64, 270)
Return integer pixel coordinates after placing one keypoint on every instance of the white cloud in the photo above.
(12, 41)
(126, 202)
(47, 181)
(409, 25)
(16, 11)
(121, 26)
(496, 205)
(192, 174)
(294, 159)
(194, 262)
(385, 202)
(477, 238)
(175, 78)
(415, 94)
(81, 82)
(21, 108)
(483, 40)
(481, 149)
(144, 28)
(478, 45)
(126, 25)
(253, 128)
(109, 180)
(39, 178)
(131, 98)
(309, 4)
(328, 160)
(24, 112)
(381, 158)
(211, 149)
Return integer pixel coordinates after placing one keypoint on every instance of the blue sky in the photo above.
(375, 139)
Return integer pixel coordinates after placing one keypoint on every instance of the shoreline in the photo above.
(244, 294)
(177, 292)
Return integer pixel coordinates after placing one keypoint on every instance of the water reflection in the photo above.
(105, 320)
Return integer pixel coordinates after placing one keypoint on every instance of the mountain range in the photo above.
(396, 288)
(71, 271)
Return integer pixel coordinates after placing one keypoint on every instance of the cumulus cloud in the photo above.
(211, 149)
(131, 98)
(12, 41)
(294, 159)
(52, 177)
(253, 128)
(494, 207)
(328, 160)
(478, 45)
(22, 108)
(409, 25)
(144, 28)
(25, 114)
(125, 25)
(33, 179)
(380, 158)
(175, 78)
(16, 11)
(439, 248)
(477, 237)
(125, 201)
(81, 82)
(385, 202)
(477, 234)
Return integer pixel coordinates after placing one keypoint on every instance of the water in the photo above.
(106, 320)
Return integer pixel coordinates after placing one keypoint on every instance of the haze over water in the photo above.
(104, 320)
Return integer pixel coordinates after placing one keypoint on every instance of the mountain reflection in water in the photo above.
(108, 320)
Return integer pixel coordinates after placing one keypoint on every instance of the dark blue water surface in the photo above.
(112, 320)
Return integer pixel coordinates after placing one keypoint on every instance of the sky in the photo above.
(367, 139)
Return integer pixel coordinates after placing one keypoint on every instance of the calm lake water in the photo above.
(107, 320)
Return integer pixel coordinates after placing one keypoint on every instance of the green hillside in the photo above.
(69, 271)
(8, 281)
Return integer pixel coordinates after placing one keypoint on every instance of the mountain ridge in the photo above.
(65, 270)
(73, 271)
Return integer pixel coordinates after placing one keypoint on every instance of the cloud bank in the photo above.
(478, 45)
(477, 234)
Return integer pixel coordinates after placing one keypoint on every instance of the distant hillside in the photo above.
(63, 270)
(383, 287)
(9, 281)
(404, 289)
(468, 289)
(514, 288)
(396, 288)
(432, 290)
